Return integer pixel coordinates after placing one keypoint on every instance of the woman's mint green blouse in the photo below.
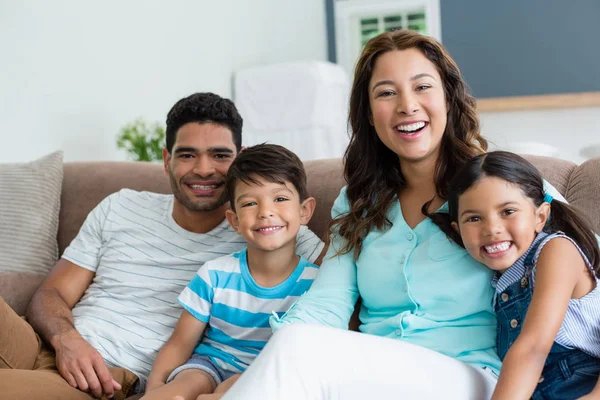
(416, 285)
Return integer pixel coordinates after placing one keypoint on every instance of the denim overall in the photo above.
(568, 373)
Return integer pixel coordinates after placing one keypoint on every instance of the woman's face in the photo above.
(408, 105)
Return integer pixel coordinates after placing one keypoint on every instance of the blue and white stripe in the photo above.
(142, 261)
(224, 294)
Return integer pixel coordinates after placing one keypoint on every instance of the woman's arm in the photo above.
(177, 350)
(332, 296)
(558, 270)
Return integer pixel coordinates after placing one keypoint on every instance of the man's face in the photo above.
(198, 164)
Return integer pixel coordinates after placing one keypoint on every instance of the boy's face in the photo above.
(269, 215)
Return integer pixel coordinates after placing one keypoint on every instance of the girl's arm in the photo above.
(177, 350)
(332, 296)
(559, 268)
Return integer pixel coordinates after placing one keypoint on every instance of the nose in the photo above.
(265, 210)
(407, 103)
(204, 166)
(493, 226)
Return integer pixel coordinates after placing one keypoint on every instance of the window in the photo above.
(357, 21)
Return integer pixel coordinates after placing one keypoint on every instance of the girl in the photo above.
(547, 299)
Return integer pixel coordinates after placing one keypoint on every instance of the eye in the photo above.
(222, 156)
(473, 219)
(386, 93)
(186, 155)
(508, 211)
(422, 87)
(249, 204)
(279, 199)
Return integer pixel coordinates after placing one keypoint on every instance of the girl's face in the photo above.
(408, 105)
(497, 222)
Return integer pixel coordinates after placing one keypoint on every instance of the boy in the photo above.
(227, 305)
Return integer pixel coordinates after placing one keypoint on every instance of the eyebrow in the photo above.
(275, 190)
(475, 211)
(213, 150)
(412, 78)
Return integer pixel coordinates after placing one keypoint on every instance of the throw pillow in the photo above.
(29, 208)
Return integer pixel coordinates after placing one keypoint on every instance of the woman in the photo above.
(426, 304)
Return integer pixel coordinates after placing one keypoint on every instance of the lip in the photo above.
(498, 254)
(207, 192)
(261, 229)
(410, 137)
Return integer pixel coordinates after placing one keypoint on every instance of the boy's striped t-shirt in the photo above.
(237, 310)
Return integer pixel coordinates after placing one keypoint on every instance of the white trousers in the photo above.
(307, 362)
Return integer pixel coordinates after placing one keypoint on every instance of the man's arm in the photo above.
(50, 315)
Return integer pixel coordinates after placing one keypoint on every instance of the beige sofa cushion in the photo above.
(29, 209)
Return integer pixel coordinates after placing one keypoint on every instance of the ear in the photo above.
(166, 158)
(233, 220)
(541, 216)
(455, 227)
(307, 208)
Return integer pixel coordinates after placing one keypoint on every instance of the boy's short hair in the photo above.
(271, 162)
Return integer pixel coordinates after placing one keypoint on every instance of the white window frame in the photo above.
(349, 12)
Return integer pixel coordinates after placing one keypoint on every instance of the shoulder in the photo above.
(558, 248)
(341, 204)
(131, 195)
(228, 263)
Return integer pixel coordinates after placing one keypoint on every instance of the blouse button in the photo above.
(514, 323)
(409, 236)
(504, 296)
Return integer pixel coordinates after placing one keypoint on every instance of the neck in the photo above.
(420, 176)
(198, 221)
(270, 268)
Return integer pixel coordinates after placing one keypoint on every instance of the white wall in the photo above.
(73, 72)
(569, 130)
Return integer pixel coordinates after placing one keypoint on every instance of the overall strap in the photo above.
(531, 256)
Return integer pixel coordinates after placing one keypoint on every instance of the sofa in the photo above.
(85, 184)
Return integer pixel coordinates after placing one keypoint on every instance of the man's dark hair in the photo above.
(270, 162)
(201, 108)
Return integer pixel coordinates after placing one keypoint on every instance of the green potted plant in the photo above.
(143, 141)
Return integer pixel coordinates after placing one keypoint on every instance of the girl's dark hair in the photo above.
(371, 170)
(515, 169)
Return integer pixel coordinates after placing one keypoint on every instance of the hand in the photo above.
(82, 366)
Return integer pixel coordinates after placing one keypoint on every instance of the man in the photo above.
(109, 303)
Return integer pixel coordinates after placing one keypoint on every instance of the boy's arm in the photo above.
(177, 350)
(558, 271)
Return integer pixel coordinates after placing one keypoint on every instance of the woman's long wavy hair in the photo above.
(371, 170)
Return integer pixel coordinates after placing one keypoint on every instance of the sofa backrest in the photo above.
(87, 183)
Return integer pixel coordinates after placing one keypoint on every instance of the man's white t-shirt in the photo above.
(143, 260)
